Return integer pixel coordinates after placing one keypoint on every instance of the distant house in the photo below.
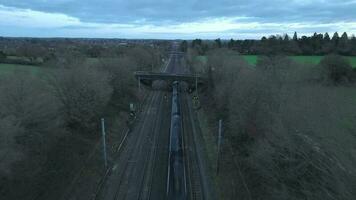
(123, 44)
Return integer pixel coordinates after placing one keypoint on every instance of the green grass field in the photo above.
(33, 69)
(252, 59)
(9, 68)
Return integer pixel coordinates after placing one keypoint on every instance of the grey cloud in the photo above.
(177, 11)
(164, 12)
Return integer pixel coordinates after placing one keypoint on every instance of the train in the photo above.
(176, 180)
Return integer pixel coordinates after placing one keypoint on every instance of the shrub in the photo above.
(336, 69)
(2, 55)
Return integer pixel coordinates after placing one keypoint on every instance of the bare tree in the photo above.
(29, 101)
(29, 123)
(121, 79)
(32, 51)
(146, 58)
(9, 153)
(83, 92)
(280, 125)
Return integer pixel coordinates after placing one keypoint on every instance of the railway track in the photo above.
(159, 169)
(134, 172)
(191, 157)
(140, 170)
(199, 179)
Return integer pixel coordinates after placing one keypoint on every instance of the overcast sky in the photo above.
(174, 19)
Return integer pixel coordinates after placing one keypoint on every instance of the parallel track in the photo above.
(140, 169)
(140, 153)
(191, 160)
(134, 170)
(146, 181)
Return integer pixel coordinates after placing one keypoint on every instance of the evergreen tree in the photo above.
(204, 49)
(231, 44)
(305, 45)
(344, 47)
(198, 45)
(218, 43)
(353, 45)
(197, 42)
(327, 46)
(295, 36)
(184, 46)
(344, 36)
(316, 42)
(294, 45)
(326, 37)
(263, 46)
(335, 38)
(286, 37)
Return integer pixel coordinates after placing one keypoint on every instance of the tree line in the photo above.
(317, 44)
(40, 51)
(282, 121)
(49, 121)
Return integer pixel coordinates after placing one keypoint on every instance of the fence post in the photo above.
(219, 146)
(104, 142)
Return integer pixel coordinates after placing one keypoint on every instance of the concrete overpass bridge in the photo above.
(147, 78)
